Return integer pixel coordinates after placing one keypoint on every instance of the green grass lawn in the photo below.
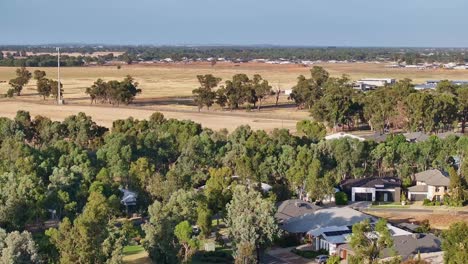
(389, 205)
(130, 250)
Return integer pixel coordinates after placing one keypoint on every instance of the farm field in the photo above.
(177, 79)
(166, 88)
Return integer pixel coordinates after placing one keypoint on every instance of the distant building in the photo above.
(378, 82)
(343, 135)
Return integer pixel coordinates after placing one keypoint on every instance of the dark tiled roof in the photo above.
(409, 245)
(387, 182)
(433, 178)
(294, 208)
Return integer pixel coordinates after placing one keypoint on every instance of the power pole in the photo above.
(59, 95)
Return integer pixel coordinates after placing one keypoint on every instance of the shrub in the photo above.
(10, 93)
(288, 241)
(341, 198)
(213, 257)
(334, 259)
(427, 202)
(437, 203)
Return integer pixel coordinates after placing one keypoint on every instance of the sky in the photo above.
(401, 23)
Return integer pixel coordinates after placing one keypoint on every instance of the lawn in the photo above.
(130, 250)
(389, 205)
(135, 255)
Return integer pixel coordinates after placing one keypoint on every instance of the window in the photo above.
(437, 189)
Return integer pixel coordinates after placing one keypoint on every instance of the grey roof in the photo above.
(335, 216)
(371, 182)
(409, 226)
(432, 177)
(416, 136)
(409, 245)
(378, 137)
(449, 133)
(418, 188)
(294, 208)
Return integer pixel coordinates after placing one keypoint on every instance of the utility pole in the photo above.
(59, 94)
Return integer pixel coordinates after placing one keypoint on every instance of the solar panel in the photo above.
(337, 233)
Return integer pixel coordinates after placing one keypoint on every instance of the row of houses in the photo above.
(382, 137)
(430, 184)
(329, 229)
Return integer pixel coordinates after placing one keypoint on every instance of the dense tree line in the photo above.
(241, 53)
(75, 167)
(236, 92)
(397, 106)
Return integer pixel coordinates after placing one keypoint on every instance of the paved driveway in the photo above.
(284, 256)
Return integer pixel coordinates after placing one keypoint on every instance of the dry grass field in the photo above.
(165, 86)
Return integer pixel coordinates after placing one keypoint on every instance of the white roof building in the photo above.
(343, 135)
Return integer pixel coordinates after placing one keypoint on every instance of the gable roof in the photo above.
(294, 208)
(372, 182)
(416, 136)
(409, 245)
(432, 177)
(335, 216)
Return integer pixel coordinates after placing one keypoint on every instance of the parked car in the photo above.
(321, 259)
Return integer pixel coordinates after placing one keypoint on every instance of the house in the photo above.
(407, 246)
(379, 82)
(334, 216)
(430, 184)
(373, 189)
(129, 198)
(343, 135)
(331, 237)
(294, 208)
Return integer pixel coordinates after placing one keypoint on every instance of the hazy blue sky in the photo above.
(282, 22)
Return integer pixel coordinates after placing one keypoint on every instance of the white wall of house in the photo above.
(355, 190)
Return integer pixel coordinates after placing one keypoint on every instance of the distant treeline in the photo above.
(246, 53)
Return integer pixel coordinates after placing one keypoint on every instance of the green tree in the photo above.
(204, 95)
(446, 86)
(22, 78)
(367, 245)
(334, 259)
(462, 96)
(82, 241)
(18, 248)
(159, 231)
(204, 219)
(250, 220)
(455, 243)
(314, 131)
(261, 89)
(338, 106)
(184, 233)
(457, 188)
